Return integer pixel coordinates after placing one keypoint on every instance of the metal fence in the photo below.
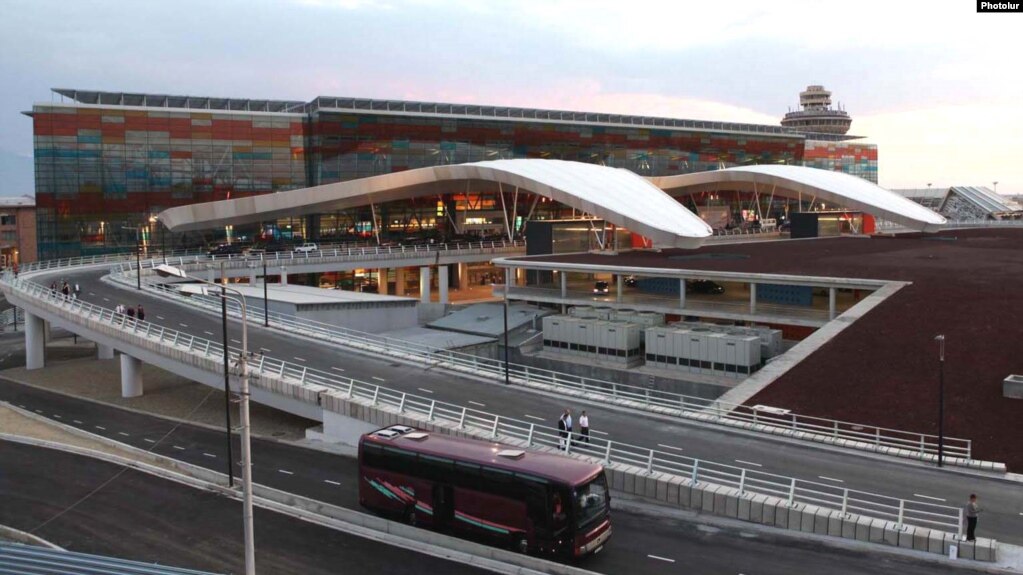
(792, 489)
(659, 401)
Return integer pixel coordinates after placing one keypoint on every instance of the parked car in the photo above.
(601, 287)
(630, 281)
(704, 286)
(306, 248)
(225, 250)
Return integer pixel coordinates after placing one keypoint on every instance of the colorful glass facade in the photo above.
(857, 159)
(106, 163)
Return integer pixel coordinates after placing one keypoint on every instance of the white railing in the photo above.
(676, 404)
(793, 490)
(374, 252)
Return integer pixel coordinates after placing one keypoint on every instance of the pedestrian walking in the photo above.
(584, 427)
(568, 424)
(972, 511)
(140, 313)
(53, 286)
(562, 433)
(131, 312)
(65, 289)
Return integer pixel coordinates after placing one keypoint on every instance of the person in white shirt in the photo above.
(584, 426)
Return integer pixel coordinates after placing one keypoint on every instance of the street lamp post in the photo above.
(941, 398)
(138, 255)
(243, 410)
(266, 301)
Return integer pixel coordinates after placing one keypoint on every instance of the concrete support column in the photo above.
(252, 276)
(682, 294)
(35, 342)
(424, 284)
(284, 276)
(463, 276)
(399, 281)
(131, 376)
(104, 351)
(442, 283)
(753, 298)
(211, 275)
(382, 281)
(564, 285)
(831, 303)
(619, 287)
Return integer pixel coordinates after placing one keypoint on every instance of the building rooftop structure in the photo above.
(406, 108)
(965, 202)
(25, 201)
(817, 116)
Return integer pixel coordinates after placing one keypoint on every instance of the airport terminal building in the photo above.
(107, 162)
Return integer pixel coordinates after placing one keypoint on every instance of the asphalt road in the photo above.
(71, 500)
(842, 469)
(642, 544)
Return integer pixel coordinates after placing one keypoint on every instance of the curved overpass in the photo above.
(832, 187)
(615, 195)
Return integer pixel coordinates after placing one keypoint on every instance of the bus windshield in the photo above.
(591, 502)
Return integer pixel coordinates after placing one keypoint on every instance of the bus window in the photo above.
(590, 503)
(559, 512)
(437, 469)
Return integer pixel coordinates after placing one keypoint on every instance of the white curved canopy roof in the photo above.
(615, 195)
(832, 187)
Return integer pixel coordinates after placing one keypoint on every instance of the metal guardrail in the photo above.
(680, 405)
(408, 251)
(793, 490)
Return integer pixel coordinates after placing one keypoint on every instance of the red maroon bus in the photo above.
(530, 502)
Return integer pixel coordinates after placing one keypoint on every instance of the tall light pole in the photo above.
(243, 409)
(266, 301)
(996, 187)
(941, 397)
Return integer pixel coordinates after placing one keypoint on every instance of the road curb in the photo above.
(19, 536)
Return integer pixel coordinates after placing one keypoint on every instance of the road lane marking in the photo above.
(424, 390)
(209, 454)
(669, 447)
(381, 379)
(285, 471)
(208, 332)
(76, 421)
(826, 478)
(477, 403)
(179, 447)
(535, 417)
(123, 433)
(106, 299)
(57, 416)
(90, 293)
(337, 368)
(147, 440)
(299, 358)
(159, 317)
(39, 411)
(595, 432)
(183, 324)
(101, 427)
(665, 559)
(742, 462)
(266, 349)
(331, 482)
(21, 406)
(235, 340)
(929, 497)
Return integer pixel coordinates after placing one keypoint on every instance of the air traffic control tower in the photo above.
(817, 115)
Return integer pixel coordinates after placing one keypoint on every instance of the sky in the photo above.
(934, 84)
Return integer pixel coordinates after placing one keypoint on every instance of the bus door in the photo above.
(443, 505)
